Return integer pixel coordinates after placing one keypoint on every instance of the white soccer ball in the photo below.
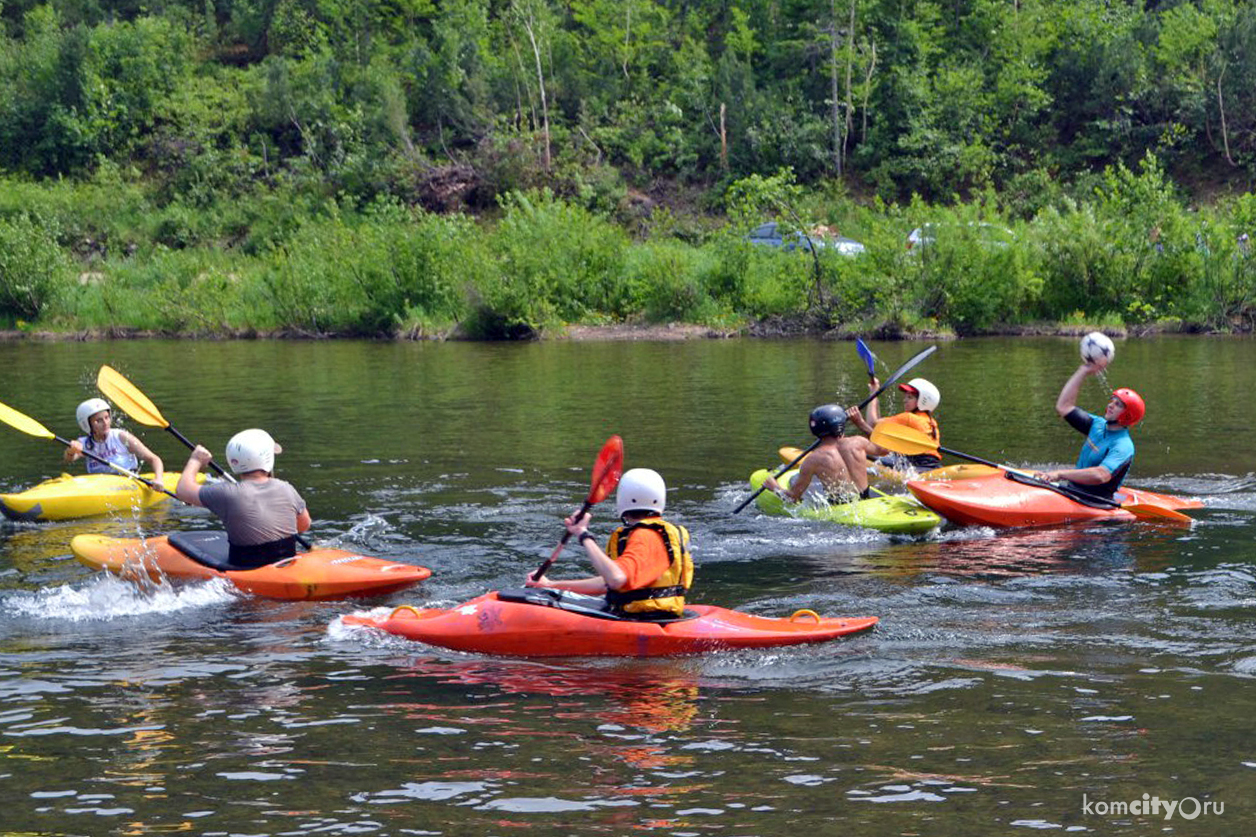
(1097, 349)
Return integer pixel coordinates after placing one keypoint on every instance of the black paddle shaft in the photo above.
(898, 373)
(191, 445)
(151, 484)
(1029, 479)
(549, 562)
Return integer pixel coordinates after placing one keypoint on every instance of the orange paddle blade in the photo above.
(607, 470)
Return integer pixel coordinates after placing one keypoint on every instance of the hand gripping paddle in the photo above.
(606, 472)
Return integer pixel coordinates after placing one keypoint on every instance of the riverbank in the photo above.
(773, 328)
(545, 262)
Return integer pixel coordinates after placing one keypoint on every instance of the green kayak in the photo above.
(899, 515)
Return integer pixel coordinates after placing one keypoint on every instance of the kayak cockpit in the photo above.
(213, 550)
(594, 606)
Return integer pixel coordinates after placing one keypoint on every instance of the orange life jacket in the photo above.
(667, 592)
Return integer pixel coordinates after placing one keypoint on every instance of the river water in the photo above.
(1018, 681)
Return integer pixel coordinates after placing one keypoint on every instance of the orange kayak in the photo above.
(995, 500)
(317, 574)
(542, 622)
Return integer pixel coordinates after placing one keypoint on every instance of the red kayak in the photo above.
(543, 622)
(317, 574)
(995, 500)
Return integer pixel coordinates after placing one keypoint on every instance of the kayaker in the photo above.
(1108, 452)
(824, 464)
(120, 447)
(263, 515)
(920, 399)
(646, 567)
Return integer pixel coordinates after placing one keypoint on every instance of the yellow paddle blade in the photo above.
(1150, 511)
(902, 439)
(23, 422)
(125, 394)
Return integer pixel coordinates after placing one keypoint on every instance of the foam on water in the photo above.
(105, 597)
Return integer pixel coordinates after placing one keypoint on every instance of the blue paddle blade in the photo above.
(869, 358)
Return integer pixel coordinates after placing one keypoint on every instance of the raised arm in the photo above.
(187, 490)
(1072, 387)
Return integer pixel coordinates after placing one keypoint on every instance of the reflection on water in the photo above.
(983, 552)
(655, 696)
(1011, 673)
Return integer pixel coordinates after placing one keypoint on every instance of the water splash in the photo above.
(366, 531)
(105, 597)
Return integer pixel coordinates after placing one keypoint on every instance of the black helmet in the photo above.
(827, 420)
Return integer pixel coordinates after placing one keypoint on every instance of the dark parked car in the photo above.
(769, 235)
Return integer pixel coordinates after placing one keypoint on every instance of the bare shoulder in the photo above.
(822, 460)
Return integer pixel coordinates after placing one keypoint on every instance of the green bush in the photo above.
(556, 262)
(976, 282)
(33, 267)
(776, 282)
(854, 290)
(667, 278)
(378, 273)
(1082, 269)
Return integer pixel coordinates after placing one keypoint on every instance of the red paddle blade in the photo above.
(607, 470)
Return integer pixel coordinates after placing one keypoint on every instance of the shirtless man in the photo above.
(825, 463)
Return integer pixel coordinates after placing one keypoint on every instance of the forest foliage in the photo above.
(379, 167)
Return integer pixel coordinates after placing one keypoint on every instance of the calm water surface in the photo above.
(1015, 679)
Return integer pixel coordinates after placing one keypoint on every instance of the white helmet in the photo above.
(89, 408)
(252, 450)
(640, 489)
(927, 396)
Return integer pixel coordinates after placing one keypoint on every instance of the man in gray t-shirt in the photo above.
(262, 514)
(255, 512)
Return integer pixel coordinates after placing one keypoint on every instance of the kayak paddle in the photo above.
(902, 439)
(138, 406)
(869, 358)
(606, 472)
(23, 422)
(898, 373)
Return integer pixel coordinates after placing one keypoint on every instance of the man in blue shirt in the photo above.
(1108, 452)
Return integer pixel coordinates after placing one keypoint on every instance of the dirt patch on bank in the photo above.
(670, 331)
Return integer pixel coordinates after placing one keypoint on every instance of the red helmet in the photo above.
(1134, 410)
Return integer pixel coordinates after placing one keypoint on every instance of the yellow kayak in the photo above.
(895, 515)
(67, 497)
(962, 471)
